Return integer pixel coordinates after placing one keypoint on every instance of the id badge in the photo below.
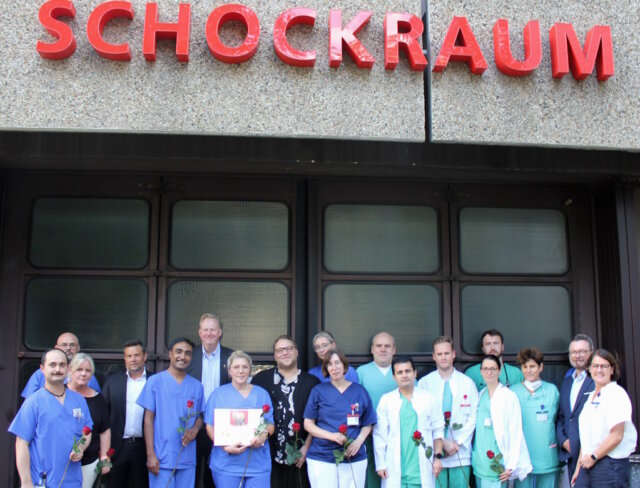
(542, 416)
(465, 408)
(487, 422)
(353, 420)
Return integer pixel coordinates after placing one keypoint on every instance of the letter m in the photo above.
(566, 52)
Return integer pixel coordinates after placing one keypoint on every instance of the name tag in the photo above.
(487, 422)
(353, 420)
(542, 416)
(465, 408)
(77, 413)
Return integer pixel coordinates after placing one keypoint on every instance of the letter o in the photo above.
(227, 13)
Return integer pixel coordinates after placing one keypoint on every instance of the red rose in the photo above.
(342, 429)
(296, 427)
(265, 408)
(447, 415)
(465, 397)
(111, 452)
(417, 435)
(490, 454)
(189, 403)
(86, 430)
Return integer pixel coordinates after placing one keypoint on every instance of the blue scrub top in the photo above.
(226, 396)
(329, 408)
(36, 382)
(350, 376)
(51, 429)
(167, 398)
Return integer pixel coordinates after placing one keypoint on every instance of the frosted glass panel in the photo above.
(381, 239)
(513, 241)
(528, 315)
(103, 313)
(230, 235)
(355, 312)
(90, 233)
(253, 314)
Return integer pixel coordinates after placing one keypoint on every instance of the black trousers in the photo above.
(203, 451)
(283, 476)
(129, 468)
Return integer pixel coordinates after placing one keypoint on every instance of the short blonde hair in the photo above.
(239, 355)
(78, 359)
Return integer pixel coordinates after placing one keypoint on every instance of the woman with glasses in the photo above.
(339, 415)
(322, 343)
(499, 450)
(539, 404)
(607, 435)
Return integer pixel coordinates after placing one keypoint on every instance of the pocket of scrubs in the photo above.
(353, 420)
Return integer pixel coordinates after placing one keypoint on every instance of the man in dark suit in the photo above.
(209, 366)
(121, 390)
(573, 394)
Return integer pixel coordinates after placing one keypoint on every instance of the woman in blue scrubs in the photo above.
(229, 463)
(539, 404)
(338, 411)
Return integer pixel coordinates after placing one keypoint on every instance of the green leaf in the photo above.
(495, 468)
(338, 454)
(498, 458)
(181, 430)
(428, 452)
(456, 427)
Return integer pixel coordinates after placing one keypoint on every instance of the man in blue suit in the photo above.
(573, 393)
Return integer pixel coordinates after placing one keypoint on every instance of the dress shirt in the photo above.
(210, 371)
(575, 387)
(135, 413)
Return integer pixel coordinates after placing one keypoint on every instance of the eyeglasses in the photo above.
(603, 367)
(490, 370)
(581, 352)
(280, 350)
(322, 347)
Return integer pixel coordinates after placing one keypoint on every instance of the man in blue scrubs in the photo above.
(68, 343)
(46, 427)
(173, 403)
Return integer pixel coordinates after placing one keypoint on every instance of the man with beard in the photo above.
(289, 389)
(47, 427)
(68, 343)
(173, 403)
(573, 395)
(121, 391)
(493, 343)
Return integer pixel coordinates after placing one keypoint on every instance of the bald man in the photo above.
(377, 378)
(67, 343)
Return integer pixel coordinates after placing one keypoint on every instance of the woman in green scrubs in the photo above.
(499, 442)
(539, 404)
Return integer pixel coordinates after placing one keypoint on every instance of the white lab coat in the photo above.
(464, 408)
(506, 418)
(386, 434)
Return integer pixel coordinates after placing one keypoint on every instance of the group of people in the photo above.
(494, 425)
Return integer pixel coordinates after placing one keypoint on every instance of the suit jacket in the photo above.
(567, 423)
(195, 368)
(115, 393)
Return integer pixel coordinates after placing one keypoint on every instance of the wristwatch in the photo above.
(439, 455)
(594, 457)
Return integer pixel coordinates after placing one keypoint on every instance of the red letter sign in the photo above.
(502, 49)
(338, 36)
(226, 13)
(566, 49)
(100, 16)
(289, 18)
(155, 30)
(468, 52)
(408, 41)
(65, 46)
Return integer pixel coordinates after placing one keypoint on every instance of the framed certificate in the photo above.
(235, 425)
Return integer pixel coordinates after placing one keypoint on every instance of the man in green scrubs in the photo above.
(493, 343)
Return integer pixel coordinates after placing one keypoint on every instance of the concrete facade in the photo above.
(261, 97)
(537, 109)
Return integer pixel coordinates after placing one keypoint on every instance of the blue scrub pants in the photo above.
(180, 479)
(480, 483)
(606, 473)
(230, 481)
(459, 477)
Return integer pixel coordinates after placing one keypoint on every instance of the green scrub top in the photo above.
(409, 452)
(539, 411)
(485, 440)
